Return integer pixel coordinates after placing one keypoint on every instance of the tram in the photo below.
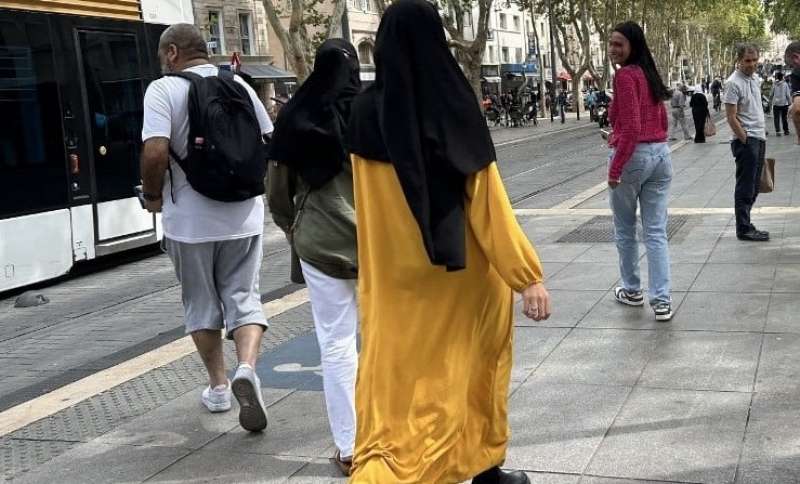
(72, 81)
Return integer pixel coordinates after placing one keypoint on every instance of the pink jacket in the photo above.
(635, 117)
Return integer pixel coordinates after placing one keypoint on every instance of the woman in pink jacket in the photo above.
(640, 169)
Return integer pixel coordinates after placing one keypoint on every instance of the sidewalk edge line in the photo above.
(45, 405)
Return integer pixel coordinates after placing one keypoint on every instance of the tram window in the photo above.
(32, 159)
(114, 90)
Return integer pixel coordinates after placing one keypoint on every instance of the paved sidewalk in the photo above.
(602, 394)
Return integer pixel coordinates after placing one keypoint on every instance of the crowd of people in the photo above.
(402, 230)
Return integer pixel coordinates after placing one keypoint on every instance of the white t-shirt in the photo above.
(192, 217)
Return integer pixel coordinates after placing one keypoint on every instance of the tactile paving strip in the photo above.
(601, 229)
(35, 444)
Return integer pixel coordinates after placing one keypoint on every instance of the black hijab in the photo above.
(422, 116)
(310, 132)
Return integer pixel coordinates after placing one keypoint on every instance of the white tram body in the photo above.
(72, 81)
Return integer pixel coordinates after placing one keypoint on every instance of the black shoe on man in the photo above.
(754, 236)
(497, 476)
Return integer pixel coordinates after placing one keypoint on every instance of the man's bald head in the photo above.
(179, 44)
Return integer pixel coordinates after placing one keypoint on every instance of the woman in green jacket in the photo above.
(310, 187)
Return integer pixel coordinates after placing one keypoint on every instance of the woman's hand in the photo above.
(536, 302)
(612, 184)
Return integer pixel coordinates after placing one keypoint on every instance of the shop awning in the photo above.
(263, 72)
(564, 76)
(491, 79)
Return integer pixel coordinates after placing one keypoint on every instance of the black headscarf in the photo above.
(422, 116)
(310, 132)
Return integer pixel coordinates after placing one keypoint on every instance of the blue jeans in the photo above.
(646, 179)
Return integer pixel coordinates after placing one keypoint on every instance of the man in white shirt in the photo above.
(215, 246)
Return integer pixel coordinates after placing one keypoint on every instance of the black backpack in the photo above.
(225, 159)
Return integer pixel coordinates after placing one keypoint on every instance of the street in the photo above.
(99, 385)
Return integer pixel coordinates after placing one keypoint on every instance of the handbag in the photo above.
(767, 182)
(710, 128)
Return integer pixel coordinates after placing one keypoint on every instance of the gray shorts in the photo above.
(219, 283)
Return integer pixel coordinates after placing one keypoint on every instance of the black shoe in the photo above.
(754, 236)
(497, 476)
(786, 133)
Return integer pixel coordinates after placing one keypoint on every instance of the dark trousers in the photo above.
(749, 162)
(780, 114)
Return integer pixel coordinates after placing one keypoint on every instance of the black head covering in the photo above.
(310, 132)
(422, 116)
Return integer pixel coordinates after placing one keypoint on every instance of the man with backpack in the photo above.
(204, 128)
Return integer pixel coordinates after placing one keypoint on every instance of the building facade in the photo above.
(240, 27)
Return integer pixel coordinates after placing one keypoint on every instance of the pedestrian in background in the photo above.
(640, 170)
(678, 104)
(792, 58)
(311, 200)
(699, 105)
(440, 255)
(561, 100)
(745, 114)
(780, 98)
(214, 245)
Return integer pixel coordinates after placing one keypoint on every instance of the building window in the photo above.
(245, 29)
(366, 5)
(546, 62)
(215, 43)
(519, 55)
(468, 19)
(491, 54)
(505, 54)
(365, 53)
(516, 24)
(503, 21)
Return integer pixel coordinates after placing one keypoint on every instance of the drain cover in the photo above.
(601, 229)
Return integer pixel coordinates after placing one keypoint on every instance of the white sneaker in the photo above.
(217, 399)
(247, 389)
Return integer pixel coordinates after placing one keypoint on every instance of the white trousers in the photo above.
(335, 311)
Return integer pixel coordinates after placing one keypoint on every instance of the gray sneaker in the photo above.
(630, 298)
(247, 390)
(663, 311)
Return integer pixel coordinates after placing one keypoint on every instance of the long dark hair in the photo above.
(641, 56)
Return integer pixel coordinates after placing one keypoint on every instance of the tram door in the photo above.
(113, 92)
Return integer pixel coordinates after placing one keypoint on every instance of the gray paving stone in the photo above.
(779, 369)
(549, 478)
(531, 347)
(560, 252)
(703, 361)
(675, 435)
(298, 426)
(599, 357)
(569, 307)
(734, 251)
(318, 471)
(586, 276)
(735, 278)
(771, 448)
(683, 275)
(784, 314)
(605, 253)
(722, 312)
(102, 463)
(557, 427)
(609, 313)
(614, 480)
(787, 279)
(183, 423)
(229, 466)
(695, 251)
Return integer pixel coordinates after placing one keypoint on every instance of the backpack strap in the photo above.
(189, 76)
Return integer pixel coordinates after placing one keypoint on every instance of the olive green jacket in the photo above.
(320, 224)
